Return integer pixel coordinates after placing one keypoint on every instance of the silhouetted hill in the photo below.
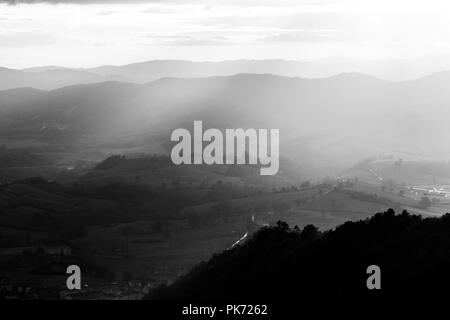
(331, 120)
(52, 77)
(146, 71)
(282, 263)
(47, 78)
(393, 70)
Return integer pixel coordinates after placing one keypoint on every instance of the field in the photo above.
(141, 219)
(135, 250)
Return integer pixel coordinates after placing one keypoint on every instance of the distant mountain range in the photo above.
(53, 77)
(47, 78)
(151, 70)
(341, 119)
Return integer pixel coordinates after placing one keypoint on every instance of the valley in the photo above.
(86, 174)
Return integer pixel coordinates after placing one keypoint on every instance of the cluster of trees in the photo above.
(279, 262)
(21, 157)
(139, 162)
(110, 162)
(220, 191)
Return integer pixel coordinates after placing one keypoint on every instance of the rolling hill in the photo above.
(395, 70)
(47, 78)
(338, 120)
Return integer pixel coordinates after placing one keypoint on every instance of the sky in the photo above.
(83, 33)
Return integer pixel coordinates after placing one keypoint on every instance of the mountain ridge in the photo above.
(344, 112)
(146, 71)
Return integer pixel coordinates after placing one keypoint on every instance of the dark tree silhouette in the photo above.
(277, 262)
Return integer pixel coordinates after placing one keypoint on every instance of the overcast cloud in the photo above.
(92, 32)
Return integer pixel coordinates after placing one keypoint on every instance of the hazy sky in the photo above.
(88, 33)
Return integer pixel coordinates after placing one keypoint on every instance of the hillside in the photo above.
(394, 70)
(54, 77)
(280, 263)
(413, 172)
(47, 78)
(146, 71)
(319, 121)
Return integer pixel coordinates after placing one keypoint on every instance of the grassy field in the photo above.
(136, 249)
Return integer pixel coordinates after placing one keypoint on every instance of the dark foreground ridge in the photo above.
(278, 262)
